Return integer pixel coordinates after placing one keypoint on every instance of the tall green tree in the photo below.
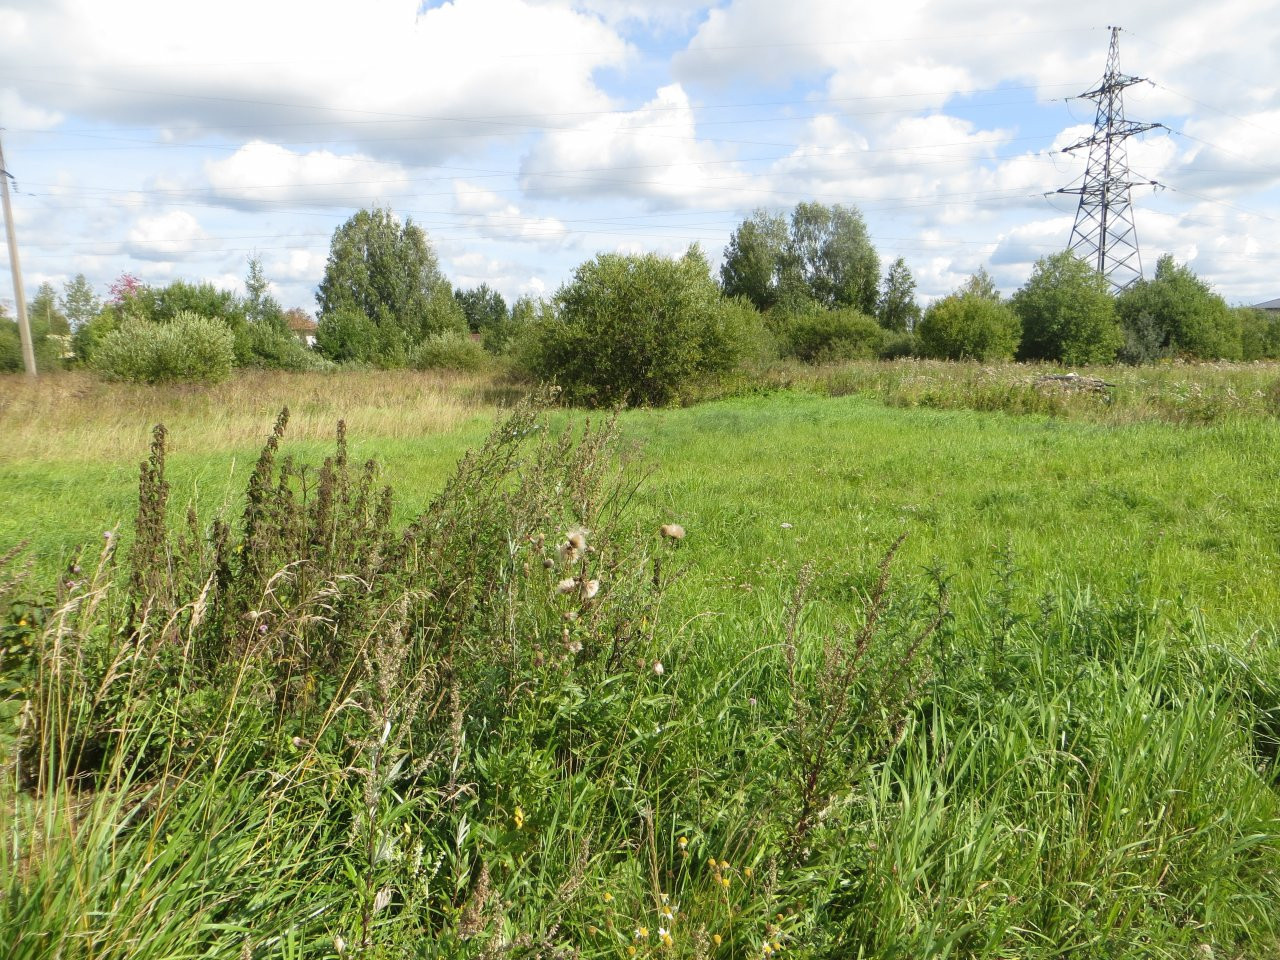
(264, 340)
(44, 312)
(824, 255)
(1182, 313)
(754, 259)
(48, 333)
(79, 303)
(1067, 313)
(259, 305)
(897, 308)
(830, 248)
(386, 272)
(981, 285)
(483, 306)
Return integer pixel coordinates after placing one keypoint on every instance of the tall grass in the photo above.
(313, 732)
(76, 416)
(1198, 393)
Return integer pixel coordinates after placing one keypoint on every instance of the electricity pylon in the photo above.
(1104, 233)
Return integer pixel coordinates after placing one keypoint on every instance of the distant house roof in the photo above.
(1268, 305)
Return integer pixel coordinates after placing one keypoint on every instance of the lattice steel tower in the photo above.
(1104, 233)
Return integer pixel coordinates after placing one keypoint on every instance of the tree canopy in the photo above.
(1181, 313)
(1067, 313)
(969, 326)
(483, 306)
(824, 256)
(754, 259)
(897, 308)
(79, 303)
(383, 278)
(45, 312)
(640, 329)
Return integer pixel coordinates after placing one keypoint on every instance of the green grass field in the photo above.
(1188, 514)
(766, 744)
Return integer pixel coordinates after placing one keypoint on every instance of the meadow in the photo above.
(946, 660)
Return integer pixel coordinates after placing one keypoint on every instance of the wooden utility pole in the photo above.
(24, 328)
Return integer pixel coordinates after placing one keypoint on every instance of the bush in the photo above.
(266, 347)
(827, 336)
(1191, 320)
(188, 348)
(1067, 313)
(448, 351)
(969, 327)
(1144, 342)
(899, 346)
(639, 329)
(10, 347)
(1259, 334)
(346, 335)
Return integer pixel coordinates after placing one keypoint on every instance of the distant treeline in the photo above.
(638, 328)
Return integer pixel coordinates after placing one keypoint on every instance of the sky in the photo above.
(175, 140)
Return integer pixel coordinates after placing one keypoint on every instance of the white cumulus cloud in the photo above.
(165, 236)
(651, 153)
(263, 174)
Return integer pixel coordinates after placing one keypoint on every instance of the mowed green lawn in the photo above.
(1189, 515)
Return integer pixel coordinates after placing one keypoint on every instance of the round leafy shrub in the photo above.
(448, 351)
(640, 330)
(1067, 313)
(969, 327)
(267, 347)
(187, 348)
(827, 336)
(1187, 318)
(346, 335)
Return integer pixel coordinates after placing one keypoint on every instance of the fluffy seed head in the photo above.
(672, 531)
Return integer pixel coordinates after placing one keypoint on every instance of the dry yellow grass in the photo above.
(77, 416)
